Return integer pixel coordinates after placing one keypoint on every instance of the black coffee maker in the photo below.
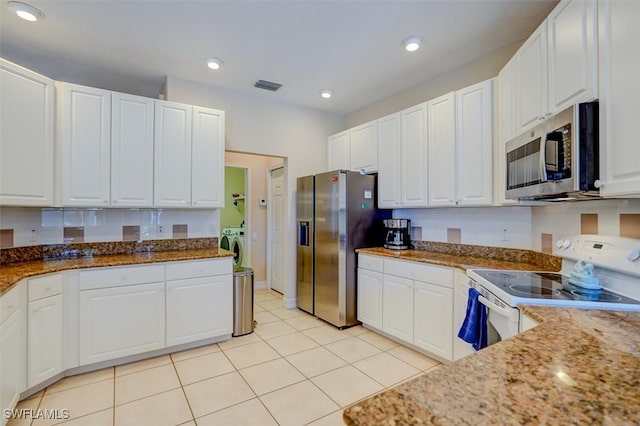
(397, 234)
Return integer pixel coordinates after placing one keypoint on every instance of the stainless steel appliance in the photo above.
(397, 234)
(616, 263)
(558, 159)
(336, 214)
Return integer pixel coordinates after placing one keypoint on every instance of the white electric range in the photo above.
(616, 264)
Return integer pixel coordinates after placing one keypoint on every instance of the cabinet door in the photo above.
(207, 167)
(85, 116)
(172, 155)
(131, 151)
(46, 339)
(199, 308)
(389, 161)
(619, 36)
(363, 147)
(26, 146)
(433, 319)
(506, 129)
(531, 80)
(120, 321)
(370, 298)
(572, 42)
(442, 150)
(413, 167)
(397, 307)
(338, 151)
(475, 144)
(13, 347)
(460, 297)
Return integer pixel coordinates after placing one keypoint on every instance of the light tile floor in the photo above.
(293, 370)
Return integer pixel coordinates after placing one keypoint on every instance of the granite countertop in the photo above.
(579, 366)
(480, 258)
(12, 273)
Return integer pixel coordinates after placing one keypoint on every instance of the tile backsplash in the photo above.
(35, 226)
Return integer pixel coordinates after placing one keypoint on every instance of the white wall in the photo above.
(479, 226)
(35, 226)
(257, 125)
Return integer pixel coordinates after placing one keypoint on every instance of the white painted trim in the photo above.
(269, 214)
(258, 285)
(291, 303)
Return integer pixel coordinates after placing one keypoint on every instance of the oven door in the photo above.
(503, 321)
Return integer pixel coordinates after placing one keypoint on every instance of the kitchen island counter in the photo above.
(14, 272)
(579, 366)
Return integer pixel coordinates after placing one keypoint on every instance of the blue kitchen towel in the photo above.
(474, 326)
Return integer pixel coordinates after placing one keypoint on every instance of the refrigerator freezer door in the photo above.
(330, 221)
(305, 246)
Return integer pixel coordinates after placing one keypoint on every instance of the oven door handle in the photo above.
(511, 315)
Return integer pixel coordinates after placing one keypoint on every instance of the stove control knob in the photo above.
(559, 244)
(633, 255)
(566, 244)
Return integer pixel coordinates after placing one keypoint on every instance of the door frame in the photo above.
(270, 169)
(247, 210)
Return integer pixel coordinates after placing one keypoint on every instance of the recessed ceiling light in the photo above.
(214, 63)
(326, 93)
(25, 11)
(411, 44)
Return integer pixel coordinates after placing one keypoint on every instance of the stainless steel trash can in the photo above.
(242, 301)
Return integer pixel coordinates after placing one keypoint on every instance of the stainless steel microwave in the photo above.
(558, 159)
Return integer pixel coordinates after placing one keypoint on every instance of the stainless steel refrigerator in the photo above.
(336, 215)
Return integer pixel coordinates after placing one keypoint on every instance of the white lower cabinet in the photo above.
(433, 319)
(397, 304)
(370, 297)
(199, 308)
(13, 346)
(120, 321)
(411, 301)
(46, 338)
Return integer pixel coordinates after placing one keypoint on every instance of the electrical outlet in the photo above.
(34, 237)
(160, 230)
(213, 229)
(505, 234)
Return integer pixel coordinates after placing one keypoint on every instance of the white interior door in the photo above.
(276, 224)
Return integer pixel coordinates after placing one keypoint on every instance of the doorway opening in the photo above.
(233, 218)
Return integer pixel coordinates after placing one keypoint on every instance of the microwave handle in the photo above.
(543, 161)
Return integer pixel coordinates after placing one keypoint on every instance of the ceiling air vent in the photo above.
(267, 85)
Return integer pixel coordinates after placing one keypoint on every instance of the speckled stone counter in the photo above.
(578, 367)
(11, 273)
(479, 257)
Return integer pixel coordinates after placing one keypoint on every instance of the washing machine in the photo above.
(233, 240)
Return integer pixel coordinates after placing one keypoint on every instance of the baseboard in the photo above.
(259, 285)
(291, 303)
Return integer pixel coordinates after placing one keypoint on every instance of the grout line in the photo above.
(113, 408)
(173, 364)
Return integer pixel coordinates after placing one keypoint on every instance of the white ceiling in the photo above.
(349, 46)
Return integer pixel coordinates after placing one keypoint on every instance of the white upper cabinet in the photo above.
(461, 147)
(84, 140)
(442, 150)
(389, 161)
(531, 78)
(572, 53)
(26, 146)
(339, 151)
(363, 147)
(619, 37)
(474, 145)
(131, 151)
(506, 129)
(172, 155)
(413, 155)
(557, 66)
(207, 158)
(402, 158)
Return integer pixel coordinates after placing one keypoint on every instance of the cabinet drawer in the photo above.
(199, 268)
(41, 287)
(372, 263)
(115, 277)
(420, 272)
(11, 301)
